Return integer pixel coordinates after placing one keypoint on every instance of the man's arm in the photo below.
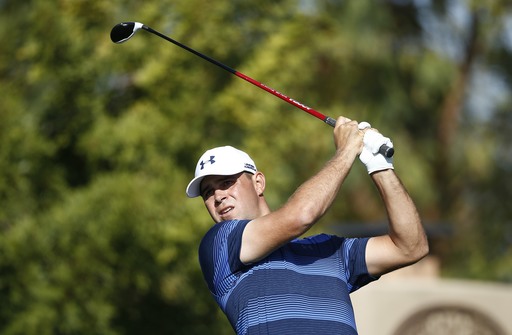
(406, 242)
(309, 202)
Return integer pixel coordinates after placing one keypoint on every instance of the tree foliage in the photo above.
(98, 141)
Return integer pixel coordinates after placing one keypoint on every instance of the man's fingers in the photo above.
(363, 125)
(342, 120)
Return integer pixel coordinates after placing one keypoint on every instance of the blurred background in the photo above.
(98, 142)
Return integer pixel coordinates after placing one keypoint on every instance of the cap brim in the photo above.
(193, 188)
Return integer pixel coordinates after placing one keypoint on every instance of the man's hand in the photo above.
(347, 136)
(370, 155)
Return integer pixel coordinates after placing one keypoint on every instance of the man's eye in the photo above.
(228, 182)
(207, 193)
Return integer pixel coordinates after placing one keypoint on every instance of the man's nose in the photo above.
(219, 195)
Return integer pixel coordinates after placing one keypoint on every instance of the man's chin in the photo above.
(227, 217)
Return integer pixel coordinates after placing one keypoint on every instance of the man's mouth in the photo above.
(225, 211)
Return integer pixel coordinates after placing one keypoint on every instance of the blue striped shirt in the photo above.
(301, 288)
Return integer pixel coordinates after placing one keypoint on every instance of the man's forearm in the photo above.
(316, 195)
(405, 227)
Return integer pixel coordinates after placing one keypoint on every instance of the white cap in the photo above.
(220, 161)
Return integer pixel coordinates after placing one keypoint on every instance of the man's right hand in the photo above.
(347, 136)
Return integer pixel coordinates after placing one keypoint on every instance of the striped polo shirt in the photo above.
(301, 288)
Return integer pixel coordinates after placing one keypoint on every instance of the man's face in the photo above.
(231, 197)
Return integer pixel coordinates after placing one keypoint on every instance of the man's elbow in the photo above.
(420, 250)
(302, 219)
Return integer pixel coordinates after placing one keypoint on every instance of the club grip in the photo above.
(384, 150)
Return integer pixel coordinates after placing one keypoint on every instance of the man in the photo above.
(267, 280)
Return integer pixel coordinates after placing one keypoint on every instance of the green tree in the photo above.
(98, 141)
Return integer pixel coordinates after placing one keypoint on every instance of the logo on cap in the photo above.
(249, 166)
(211, 161)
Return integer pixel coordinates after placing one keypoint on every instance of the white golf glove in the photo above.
(370, 155)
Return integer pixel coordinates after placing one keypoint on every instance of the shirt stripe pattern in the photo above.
(303, 285)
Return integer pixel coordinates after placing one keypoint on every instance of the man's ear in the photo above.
(259, 182)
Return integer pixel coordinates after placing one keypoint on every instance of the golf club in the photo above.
(125, 30)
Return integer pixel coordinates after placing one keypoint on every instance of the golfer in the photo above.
(263, 274)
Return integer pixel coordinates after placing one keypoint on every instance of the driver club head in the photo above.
(122, 32)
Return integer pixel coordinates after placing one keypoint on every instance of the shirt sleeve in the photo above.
(219, 255)
(357, 275)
